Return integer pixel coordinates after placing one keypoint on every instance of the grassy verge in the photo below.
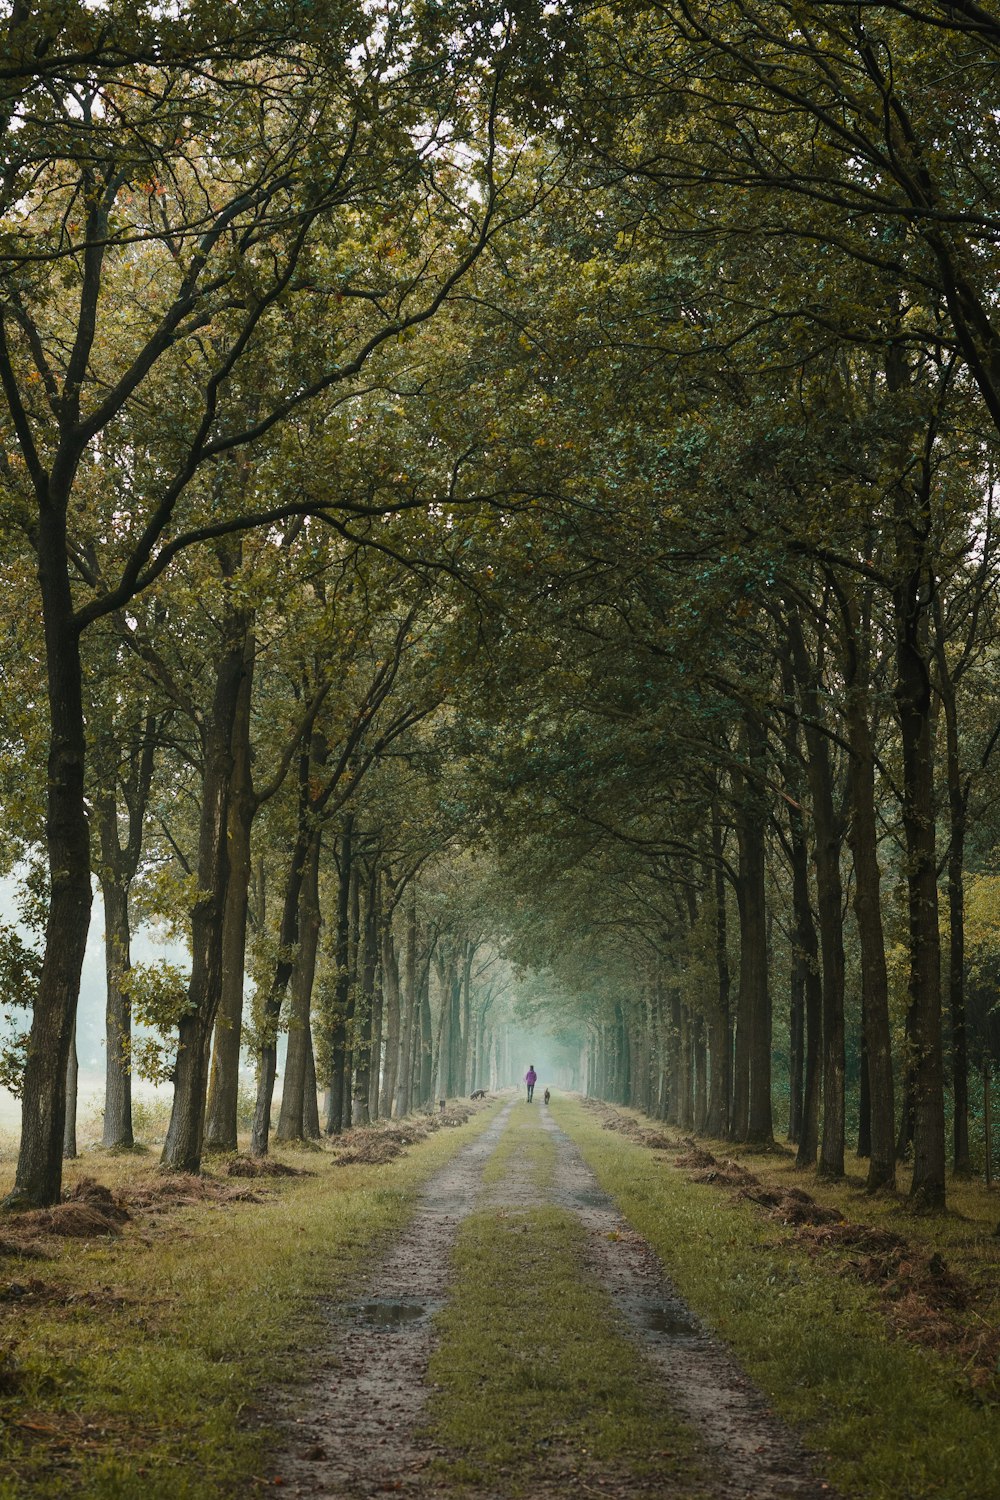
(893, 1418)
(531, 1380)
(125, 1363)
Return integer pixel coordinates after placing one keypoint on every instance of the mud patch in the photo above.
(673, 1319)
(384, 1313)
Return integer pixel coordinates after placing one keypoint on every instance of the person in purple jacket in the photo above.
(531, 1078)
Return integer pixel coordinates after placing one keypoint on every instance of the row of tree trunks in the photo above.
(653, 1055)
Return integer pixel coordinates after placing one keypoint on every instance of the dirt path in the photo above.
(354, 1427)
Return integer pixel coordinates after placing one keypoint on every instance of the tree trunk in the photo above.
(700, 1076)
(378, 1021)
(353, 949)
(183, 1145)
(470, 955)
(830, 904)
(752, 1120)
(913, 703)
(116, 873)
(807, 1002)
(426, 1041)
(364, 1010)
(720, 1029)
(442, 1049)
(224, 1080)
(338, 1018)
(288, 944)
(863, 838)
(957, 812)
(72, 1099)
(390, 988)
(796, 1043)
(907, 1108)
(805, 936)
(674, 1059)
(38, 1182)
(864, 1090)
(310, 1102)
(117, 1133)
(686, 1103)
(292, 1114)
(410, 1021)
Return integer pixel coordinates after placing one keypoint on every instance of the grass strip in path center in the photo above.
(524, 1151)
(534, 1387)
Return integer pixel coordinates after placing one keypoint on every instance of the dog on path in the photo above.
(548, 1096)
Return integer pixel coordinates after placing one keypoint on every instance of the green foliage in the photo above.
(20, 971)
(159, 998)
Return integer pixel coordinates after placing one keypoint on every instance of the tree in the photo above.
(203, 225)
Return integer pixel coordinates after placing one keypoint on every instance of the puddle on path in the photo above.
(675, 1322)
(591, 1198)
(384, 1313)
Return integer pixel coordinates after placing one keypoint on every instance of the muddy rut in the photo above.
(354, 1426)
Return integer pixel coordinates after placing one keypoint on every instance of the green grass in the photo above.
(135, 1390)
(524, 1144)
(893, 1418)
(531, 1376)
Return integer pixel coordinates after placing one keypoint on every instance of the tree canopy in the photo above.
(499, 515)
